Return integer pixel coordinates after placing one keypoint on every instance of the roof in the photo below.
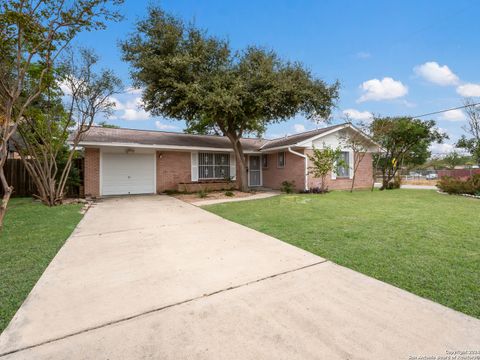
(297, 138)
(124, 137)
(97, 134)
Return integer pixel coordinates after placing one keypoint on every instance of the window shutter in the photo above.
(233, 167)
(194, 166)
(351, 163)
(334, 173)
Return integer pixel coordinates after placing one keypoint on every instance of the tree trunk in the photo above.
(242, 177)
(6, 196)
(353, 181)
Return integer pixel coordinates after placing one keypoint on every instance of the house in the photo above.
(126, 161)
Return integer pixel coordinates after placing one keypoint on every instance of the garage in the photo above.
(127, 172)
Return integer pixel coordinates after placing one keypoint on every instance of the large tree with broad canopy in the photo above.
(188, 75)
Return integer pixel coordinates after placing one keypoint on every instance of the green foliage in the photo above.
(451, 185)
(324, 161)
(31, 237)
(417, 240)
(189, 75)
(229, 193)
(405, 141)
(288, 186)
(104, 124)
(453, 159)
(472, 145)
(47, 123)
(202, 193)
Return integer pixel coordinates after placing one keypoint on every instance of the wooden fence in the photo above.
(23, 185)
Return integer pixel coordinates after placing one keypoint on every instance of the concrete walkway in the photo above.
(154, 277)
(260, 195)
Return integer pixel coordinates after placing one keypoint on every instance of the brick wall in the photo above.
(92, 172)
(294, 170)
(363, 178)
(172, 168)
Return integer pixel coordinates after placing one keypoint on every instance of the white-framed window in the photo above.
(344, 165)
(213, 166)
(265, 161)
(281, 159)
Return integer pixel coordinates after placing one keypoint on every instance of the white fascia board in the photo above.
(319, 136)
(159, 147)
(308, 143)
(285, 147)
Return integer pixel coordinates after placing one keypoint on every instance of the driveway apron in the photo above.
(154, 277)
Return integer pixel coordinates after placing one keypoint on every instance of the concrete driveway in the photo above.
(153, 277)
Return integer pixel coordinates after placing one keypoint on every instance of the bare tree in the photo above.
(44, 151)
(32, 36)
(472, 144)
(359, 144)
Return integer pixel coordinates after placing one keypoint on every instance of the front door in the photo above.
(255, 171)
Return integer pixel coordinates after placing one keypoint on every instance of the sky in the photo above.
(391, 57)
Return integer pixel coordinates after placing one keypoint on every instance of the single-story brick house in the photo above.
(126, 161)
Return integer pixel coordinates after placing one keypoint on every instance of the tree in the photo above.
(403, 140)
(104, 124)
(47, 124)
(324, 161)
(359, 144)
(33, 34)
(453, 159)
(188, 75)
(472, 144)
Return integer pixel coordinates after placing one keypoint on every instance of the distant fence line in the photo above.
(23, 185)
(458, 173)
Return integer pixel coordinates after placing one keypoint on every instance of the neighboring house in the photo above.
(126, 161)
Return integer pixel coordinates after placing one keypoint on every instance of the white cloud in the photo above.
(385, 89)
(129, 110)
(437, 74)
(299, 128)
(363, 55)
(441, 148)
(160, 126)
(358, 115)
(134, 114)
(453, 115)
(118, 104)
(469, 89)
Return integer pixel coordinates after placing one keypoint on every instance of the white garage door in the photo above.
(128, 174)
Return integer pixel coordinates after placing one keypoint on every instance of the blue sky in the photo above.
(391, 57)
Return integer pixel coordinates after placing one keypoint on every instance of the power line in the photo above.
(446, 110)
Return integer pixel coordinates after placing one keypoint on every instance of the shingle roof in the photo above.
(100, 135)
(163, 138)
(294, 139)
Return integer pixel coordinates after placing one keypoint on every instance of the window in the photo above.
(213, 166)
(281, 159)
(265, 161)
(343, 169)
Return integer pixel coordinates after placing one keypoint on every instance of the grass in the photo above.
(32, 235)
(418, 240)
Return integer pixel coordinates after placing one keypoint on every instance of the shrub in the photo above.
(288, 187)
(229, 193)
(315, 190)
(453, 185)
(202, 193)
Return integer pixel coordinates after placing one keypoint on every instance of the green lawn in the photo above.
(419, 240)
(32, 235)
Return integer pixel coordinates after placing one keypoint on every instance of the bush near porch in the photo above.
(418, 240)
